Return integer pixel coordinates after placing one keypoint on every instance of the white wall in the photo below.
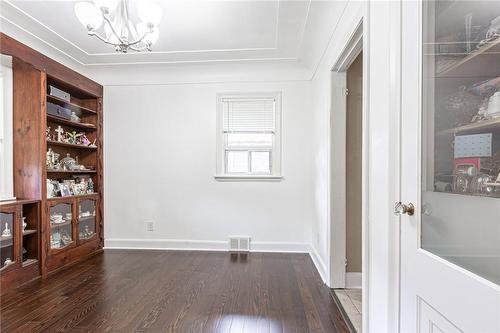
(160, 165)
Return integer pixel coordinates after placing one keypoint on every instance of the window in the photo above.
(248, 136)
(6, 161)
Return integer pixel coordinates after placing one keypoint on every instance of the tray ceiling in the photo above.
(190, 31)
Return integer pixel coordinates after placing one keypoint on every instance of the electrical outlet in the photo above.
(150, 226)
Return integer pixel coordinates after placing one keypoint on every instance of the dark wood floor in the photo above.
(169, 291)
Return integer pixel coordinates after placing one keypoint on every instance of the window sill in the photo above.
(248, 178)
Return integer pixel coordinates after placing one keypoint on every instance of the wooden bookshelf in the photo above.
(34, 73)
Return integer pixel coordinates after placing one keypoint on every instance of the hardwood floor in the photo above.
(174, 291)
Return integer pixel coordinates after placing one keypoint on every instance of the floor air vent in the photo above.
(239, 244)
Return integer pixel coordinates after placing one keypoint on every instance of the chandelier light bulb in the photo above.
(150, 36)
(88, 15)
(149, 12)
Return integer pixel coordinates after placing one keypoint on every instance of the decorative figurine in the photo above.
(72, 137)
(59, 131)
(7, 262)
(48, 136)
(93, 143)
(52, 160)
(90, 186)
(6, 232)
(74, 117)
(24, 223)
(85, 141)
(69, 163)
(50, 189)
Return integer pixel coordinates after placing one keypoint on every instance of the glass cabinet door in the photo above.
(461, 134)
(61, 226)
(86, 218)
(7, 230)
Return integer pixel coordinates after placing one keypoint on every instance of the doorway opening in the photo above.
(350, 297)
(347, 183)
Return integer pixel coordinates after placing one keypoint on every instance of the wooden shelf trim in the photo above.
(69, 197)
(72, 106)
(59, 120)
(64, 144)
(18, 202)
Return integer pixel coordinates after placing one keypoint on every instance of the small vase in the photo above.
(24, 223)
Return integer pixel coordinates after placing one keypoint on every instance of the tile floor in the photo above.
(351, 301)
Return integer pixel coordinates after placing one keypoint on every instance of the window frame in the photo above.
(274, 150)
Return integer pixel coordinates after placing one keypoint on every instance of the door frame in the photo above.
(380, 25)
(338, 130)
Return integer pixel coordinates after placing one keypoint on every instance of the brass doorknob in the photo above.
(401, 208)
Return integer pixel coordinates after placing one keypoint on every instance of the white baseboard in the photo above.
(319, 263)
(200, 245)
(353, 280)
(204, 245)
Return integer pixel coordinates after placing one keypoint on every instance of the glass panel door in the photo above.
(61, 229)
(86, 219)
(461, 134)
(7, 230)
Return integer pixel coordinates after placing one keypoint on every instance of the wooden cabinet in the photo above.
(73, 227)
(19, 242)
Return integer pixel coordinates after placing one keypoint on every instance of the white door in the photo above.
(450, 166)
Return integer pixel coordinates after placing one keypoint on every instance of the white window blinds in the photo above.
(249, 115)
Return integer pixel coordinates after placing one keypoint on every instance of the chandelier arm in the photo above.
(106, 18)
(140, 39)
(95, 34)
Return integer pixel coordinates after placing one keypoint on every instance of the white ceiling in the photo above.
(190, 31)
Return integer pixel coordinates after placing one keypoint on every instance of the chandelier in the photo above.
(119, 30)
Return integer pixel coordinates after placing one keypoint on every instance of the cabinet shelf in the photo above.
(62, 224)
(91, 195)
(86, 218)
(71, 171)
(29, 262)
(64, 144)
(472, 65)
(4, 238)
(477, 127)
(62, 121)
(70, 244)
(66, 104)
(29, 232)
